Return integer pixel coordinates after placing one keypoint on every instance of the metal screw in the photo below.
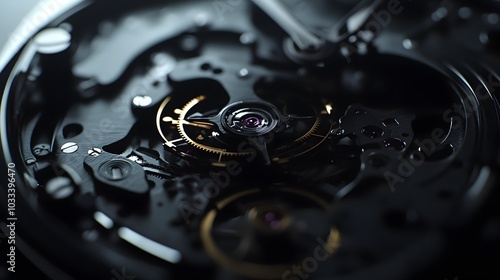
(69, 148)
(41, 150)
(95, 152)
(142, 101)
(60, 188)
(243, 73)
(53, 41)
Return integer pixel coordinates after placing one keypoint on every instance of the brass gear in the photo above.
(180, 122)
(184, 135)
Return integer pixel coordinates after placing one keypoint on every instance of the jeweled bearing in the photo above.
(250, 119)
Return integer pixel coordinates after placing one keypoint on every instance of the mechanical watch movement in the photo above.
(263, 139)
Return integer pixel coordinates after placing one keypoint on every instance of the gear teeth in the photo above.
(156, 175)
(200, 98)
(304, 137)
(181, 131)
(310, 132)
(184, 111)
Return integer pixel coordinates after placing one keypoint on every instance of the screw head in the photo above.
(41, 150)
(243, 73)
(69, 148)
(94, 152)
(60, 188)
(142, 101)
(53, 41)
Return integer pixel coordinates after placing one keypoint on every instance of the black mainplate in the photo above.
(190, 139)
